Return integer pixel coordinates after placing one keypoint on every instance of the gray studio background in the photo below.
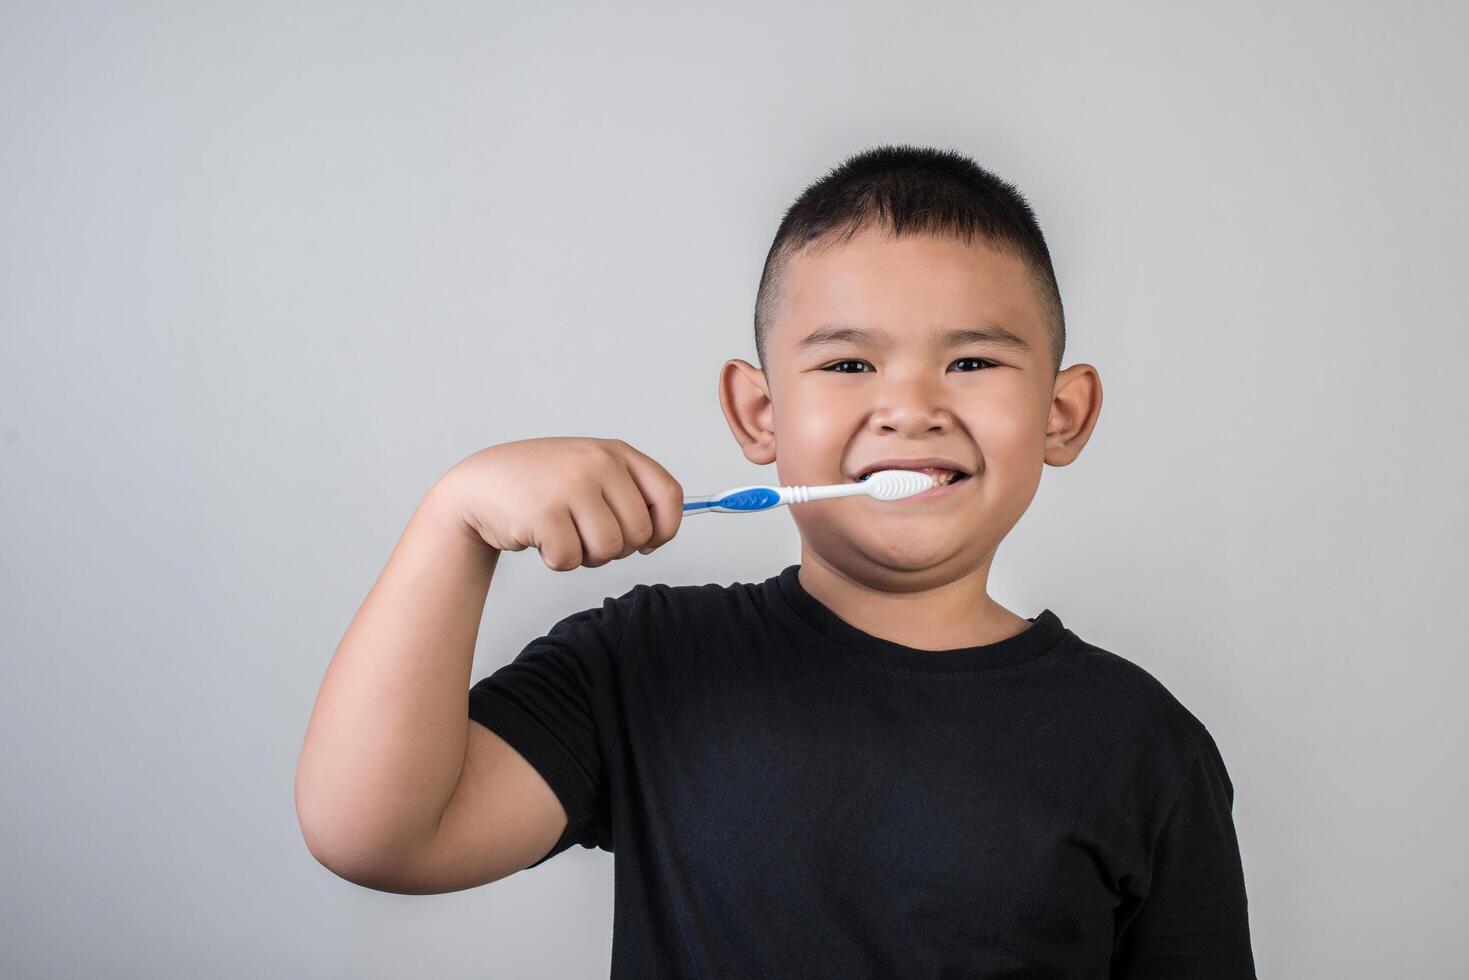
(268, 269)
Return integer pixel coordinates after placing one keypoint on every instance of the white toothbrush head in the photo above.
(897, 484)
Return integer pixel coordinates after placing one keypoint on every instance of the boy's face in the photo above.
(827, 410)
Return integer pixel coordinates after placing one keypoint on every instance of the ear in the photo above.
(745, 395)
(1075, 405)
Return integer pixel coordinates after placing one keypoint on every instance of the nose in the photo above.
(911, 409)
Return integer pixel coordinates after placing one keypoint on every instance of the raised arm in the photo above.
(396, 788)
(387, 740)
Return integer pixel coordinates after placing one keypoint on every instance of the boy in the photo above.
(862, 766)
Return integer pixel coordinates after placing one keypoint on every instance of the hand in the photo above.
(578, 501)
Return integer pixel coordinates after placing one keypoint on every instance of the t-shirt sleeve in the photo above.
(1193, 919)
(558, 704)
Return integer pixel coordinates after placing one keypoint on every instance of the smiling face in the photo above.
(908, 348)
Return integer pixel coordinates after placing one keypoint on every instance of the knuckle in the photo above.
(605, 548)
(582, 482)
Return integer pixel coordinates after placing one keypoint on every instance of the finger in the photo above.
(560, 544)
(626, 502)
(663, 494)
(601, 534)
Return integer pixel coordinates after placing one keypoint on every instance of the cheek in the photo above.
(1003, 431)
(813, 421)
(1004, 423)
(808, 442)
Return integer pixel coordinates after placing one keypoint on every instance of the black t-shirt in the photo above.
(789, 796)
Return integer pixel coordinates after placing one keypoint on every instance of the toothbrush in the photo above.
(882, 485)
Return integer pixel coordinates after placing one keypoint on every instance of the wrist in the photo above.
(447, 506)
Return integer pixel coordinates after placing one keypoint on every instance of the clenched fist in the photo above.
(578, 501)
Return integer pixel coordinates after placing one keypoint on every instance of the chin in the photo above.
(913, 554)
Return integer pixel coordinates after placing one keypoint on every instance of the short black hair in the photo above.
(913, 190)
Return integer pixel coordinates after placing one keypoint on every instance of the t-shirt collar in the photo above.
(785, 589)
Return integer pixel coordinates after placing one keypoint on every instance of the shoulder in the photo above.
(1137, 729)
(1133, 716)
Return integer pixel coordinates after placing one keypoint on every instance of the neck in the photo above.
(923, 610)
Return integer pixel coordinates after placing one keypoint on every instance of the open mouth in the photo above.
(942, 477)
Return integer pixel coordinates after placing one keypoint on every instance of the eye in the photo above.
(833, 367)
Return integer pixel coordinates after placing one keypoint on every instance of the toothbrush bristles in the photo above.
(897, 484)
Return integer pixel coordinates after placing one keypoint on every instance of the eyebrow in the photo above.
(838, 334)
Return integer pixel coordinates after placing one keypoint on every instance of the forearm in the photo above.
(385, 743)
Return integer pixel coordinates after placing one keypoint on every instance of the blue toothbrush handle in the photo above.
(737, 500)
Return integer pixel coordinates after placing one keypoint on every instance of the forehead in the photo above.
(907, 287)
